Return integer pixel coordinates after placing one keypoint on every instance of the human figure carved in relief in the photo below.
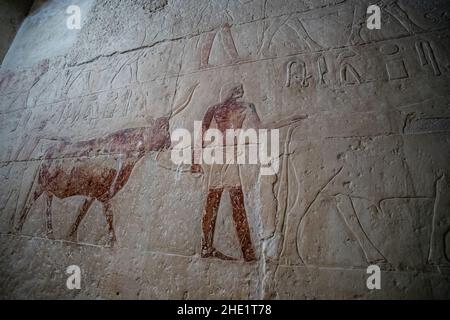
(230, 113)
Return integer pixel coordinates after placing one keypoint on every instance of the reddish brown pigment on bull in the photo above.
(86, 177)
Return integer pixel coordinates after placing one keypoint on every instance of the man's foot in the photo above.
(214, 253)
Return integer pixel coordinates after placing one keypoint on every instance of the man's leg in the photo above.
(209, 225)
(241, 223)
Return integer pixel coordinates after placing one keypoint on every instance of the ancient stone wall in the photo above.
(12, 14)
(364, 177)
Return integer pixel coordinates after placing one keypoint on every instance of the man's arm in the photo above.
(253, 120)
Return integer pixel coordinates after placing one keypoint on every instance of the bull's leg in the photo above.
(109, 220)
(84, 209)
(48, 216)
(206, 48)
(441, 223)
(359, 13)
(345, 208)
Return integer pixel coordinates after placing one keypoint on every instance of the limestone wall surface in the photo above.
(364, 176)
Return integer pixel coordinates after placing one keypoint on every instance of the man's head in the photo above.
(231, 91)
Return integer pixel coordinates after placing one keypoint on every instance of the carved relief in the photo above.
(439, 224)
(348, 74)
(236, 114)
(365, 181)
(54, 179)
(87, 176)
(348, 213)
(426, 56)
(322, 69)
(230, 113)
(297, 74)
(392, 8)
(227, 42)
(395, 66)
(294, 23)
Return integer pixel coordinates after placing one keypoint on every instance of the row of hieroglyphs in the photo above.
(78, 89)
(396, 58)
(388, 61)
(221, 46)
(299, 24)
